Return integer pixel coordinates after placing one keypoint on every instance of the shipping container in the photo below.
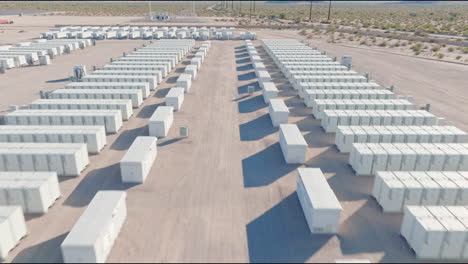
(12, 227)
(278, 112)
(321, 208)
(293, 144)
(175, 98)
(133, 94)
(161, 121)
(92, 243)
(93, 136)
(137, 162)
(111, 119)
(35, 192)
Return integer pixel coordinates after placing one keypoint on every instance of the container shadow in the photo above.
(179, 70)
(246, 76)
(242, 55)
(251, 105)
(365, 225)
(244, 88)
(106, 178)
(127, 137)
(169, 141)
(45, 252)
(59, 80)
(240, 47)
(161, 93)
(257, 129)
(243, 61)
(185, 62)
(281, 235)
(240, 51)
(148, 110)
(245, 67)
(240, 98)
(265, 167)
(172, 79)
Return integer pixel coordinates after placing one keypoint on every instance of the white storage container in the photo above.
(269, 91)
(44, 60)
(144, 87)
(12, 228)
(156, 74)
(35, 192)
(318, 201)
(191, 70)
(197, 62)
(125, 105)
(93, 235)
(133, 94)
(263, 76)
(93, 136)
(293, 144)
(175, 98)
(184, 81)
(111, 119)
(150, 79)
(161, 121)
(67, 159)
(137, 162)
(278, 111)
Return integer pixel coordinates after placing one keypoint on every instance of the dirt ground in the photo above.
(225, 194)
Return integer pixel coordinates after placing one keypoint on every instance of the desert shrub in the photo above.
(458, 57)
(450, 49)
(303, 32)
(351, 38)
(383, 44)
(363, 42)
(465, 50)
(440, 55)
(435, 49)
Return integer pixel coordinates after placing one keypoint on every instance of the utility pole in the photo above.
(240, 7)
(250, 12)
(310, 12)
(329, 10)
(254, 6)
(150, 16)
(232, 5)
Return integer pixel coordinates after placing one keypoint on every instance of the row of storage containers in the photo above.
(437, 232)
(114, 87)
(110, 119)
(201, 33)
(334, 118)
(368, 158)
(346, 136)
(394, 190)
(35, 192)
(304, 86)
(93, 136)
(67, 159)
(417, 161)
(325, 94)
(41, 147)
(135, 95)
(25, 53)
(124, 105)
(320, 105)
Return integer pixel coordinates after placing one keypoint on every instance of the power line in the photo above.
(329, 10)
